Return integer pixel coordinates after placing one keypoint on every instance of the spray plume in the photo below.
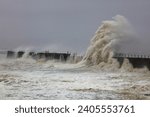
(108, 39)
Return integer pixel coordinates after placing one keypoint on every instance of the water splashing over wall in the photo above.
(110, 37)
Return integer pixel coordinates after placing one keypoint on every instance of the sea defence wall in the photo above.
(39, 55)
(10, 54)
(136, 60)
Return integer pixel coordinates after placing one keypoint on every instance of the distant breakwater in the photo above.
(39, 55)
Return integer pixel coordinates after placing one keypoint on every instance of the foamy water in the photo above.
(97, 76)
(30, 79)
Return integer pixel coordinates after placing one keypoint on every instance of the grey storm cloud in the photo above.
(65, 24)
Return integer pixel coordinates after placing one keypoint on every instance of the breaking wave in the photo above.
(112, 36)
(106, 39)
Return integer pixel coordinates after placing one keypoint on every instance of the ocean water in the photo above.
(26, 78)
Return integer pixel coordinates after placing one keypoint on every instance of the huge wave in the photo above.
(112, 36)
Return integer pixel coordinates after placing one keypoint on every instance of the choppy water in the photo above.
(29, 79)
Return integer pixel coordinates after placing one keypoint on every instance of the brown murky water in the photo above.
(29, 79)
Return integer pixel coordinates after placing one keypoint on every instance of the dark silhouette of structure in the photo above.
(40, 55)
(20, 54)
(137, 61)
(10, 54)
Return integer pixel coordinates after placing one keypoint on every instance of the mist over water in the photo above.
(27, 78)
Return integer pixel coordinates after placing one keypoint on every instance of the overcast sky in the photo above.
(65, 24)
